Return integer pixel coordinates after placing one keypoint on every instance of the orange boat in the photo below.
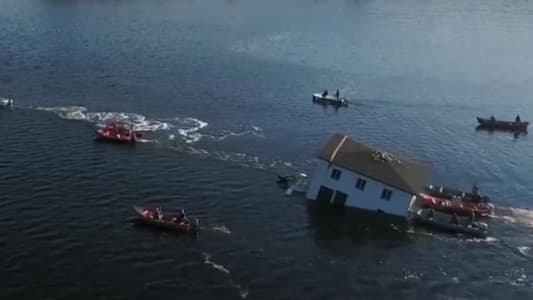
(456, 206)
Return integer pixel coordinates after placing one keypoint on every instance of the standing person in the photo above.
(133, 138)
(474, 189)
(517, 119)
(337, 94)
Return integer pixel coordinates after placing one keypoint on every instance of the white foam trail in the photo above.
(246, 130)
(80, 113)
(61, 108)
(524, 250)
(222, 229)
(516, 215)
(243, 293)
(207, 260)
(189, 128)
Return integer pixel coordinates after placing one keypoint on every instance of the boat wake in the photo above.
(81, 113)
(208, 261)
(183, 134)
(243, 293)
(522, 216)
(188, 129)
(524, 250)
(192, 134)
(222, 229)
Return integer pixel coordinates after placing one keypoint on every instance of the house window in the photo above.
(360, 184)
(335, 174)
(386, 194)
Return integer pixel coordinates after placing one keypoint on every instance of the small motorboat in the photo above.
(6, 103)
(450, 223)
(115, 133)
(171, 221)
(456, 205)
(294, 183)
(330, 99)
(493, 124)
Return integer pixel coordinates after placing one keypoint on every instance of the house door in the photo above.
(339, 199)
(324, 195)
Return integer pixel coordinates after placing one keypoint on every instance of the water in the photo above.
(223, 89)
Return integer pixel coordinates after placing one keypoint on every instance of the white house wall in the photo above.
(369, 199)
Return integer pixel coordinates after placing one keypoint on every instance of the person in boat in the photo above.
(325, 93)
(431, 213)
(337, 94)
(455, 219)
(492, 119)
(184, 218)
(181, 217)
(474, 190)
(159, 213)
(517, 119)
(472, 218)
(112, 126)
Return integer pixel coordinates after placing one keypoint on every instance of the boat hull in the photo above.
(502, 125)
(449, 193)
(165, 223)
(332, 100)
(455, 206)
(110, 136)
(446, 226)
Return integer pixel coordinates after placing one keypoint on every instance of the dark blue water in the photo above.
(223, 91)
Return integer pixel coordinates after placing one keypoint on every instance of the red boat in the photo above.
(170, 221)
(456, 205)
(118, 134)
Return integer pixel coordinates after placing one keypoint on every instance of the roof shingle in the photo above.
(404, 174)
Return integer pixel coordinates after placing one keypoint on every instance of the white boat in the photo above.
(294, 183)
(330, 99)
(6, 103)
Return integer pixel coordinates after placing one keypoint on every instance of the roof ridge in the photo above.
(339, 146)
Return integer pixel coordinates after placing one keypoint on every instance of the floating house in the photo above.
(351, 174)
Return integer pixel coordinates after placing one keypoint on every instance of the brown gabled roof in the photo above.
(406, 175)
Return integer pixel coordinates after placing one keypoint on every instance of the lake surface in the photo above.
(223, 91)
